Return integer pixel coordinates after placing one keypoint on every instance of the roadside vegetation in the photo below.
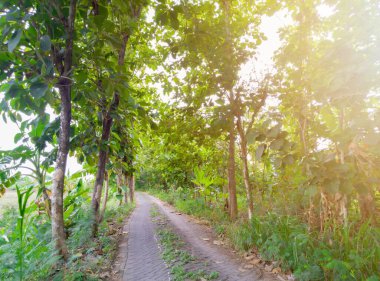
(27, 251)
(286, 242)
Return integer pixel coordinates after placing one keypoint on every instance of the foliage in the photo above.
(26, 250)
(344, 254)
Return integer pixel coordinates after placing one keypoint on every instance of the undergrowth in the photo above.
(349, 253)
(89, 257)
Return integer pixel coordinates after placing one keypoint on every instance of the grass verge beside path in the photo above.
(90, 258)
(283, 243)
(183, 266)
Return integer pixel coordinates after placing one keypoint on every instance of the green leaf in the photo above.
(288, 160)
(260, 151)
(45, 43)
(17, 137)
(273, 132)
(251, 136)
(277, 144)
(14, 40)
(38, 89)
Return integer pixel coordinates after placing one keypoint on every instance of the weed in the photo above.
(340, 253)
(176, 257)
(32, 242)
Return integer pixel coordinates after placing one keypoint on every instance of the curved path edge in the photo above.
(199, 239)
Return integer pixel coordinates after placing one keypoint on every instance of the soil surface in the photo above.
(140, 259)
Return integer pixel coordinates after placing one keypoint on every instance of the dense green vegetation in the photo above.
(342, 254)
(32, 256)
(174, 95)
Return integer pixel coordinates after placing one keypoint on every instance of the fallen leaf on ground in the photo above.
(268, 268)
(218, 242)
(276, 270)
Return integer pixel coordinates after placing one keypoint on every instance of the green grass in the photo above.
(89, 257)
(343, 253)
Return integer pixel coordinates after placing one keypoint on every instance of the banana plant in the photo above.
(204, 183)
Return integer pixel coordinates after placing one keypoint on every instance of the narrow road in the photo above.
(144, 263)
(143, 259)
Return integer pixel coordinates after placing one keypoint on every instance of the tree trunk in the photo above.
(57, 221)
(226, 203)
(64, 85)
(126, 183)
(231, 175)
(243, 147)
(105, 196)
(130, 179)
(103, 155)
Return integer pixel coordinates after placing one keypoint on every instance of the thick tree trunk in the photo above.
(226, 201)
(64, 85)
(244, 153)
(57, 222)
(102, 160)
(103, 152)
(105, 197)
(130, 179)
(126, 184)
(231, 175)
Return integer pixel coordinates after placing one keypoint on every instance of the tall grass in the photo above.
(339, 253)
(88, 257)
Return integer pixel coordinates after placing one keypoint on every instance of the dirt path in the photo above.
(199, 239)
(142, 260)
